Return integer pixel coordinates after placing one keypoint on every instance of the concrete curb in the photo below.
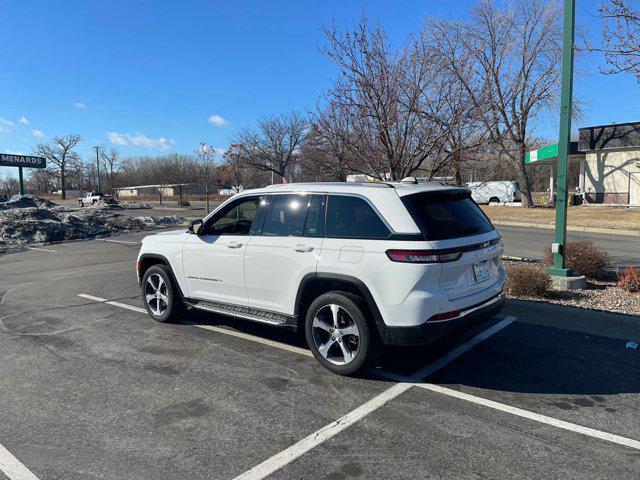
(611, 231)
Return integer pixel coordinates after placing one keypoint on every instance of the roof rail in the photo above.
(333, 184)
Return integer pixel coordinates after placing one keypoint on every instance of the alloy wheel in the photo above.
(156, 294)
(335, 334)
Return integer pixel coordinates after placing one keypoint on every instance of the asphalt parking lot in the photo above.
(91, 388)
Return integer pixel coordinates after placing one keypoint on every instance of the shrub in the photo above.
(186, 203)
(629, 279)
(584, 258)
(527, 280)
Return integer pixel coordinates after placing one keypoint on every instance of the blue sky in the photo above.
(147, 76)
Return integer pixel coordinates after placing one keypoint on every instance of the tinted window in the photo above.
(235, 219)
(314, 226)
(353, 217)
(286, 215)
(444, 216)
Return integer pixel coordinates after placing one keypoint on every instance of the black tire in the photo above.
(367, 345)
(494, 200)
(173, 306)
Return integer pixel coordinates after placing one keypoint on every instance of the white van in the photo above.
(502, 191)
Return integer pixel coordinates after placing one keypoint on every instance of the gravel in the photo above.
(32, 221)
(602, 295)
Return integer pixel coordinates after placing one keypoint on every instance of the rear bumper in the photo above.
(428, 332)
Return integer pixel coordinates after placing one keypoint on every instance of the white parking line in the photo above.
(111, 302)
(572, 427)
(116, 241)
(296, 450)
(12, 467)
(225, 331)
(325, 433)
(42, 249)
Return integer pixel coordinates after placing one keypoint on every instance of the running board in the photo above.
(247, 313)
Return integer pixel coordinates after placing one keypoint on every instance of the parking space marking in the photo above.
(460, 350)
(111, 302)
(117, 241)
(572, 427)
(39, 249)
(253, 338)
(213, 328)
(12, 467)
(296, 450)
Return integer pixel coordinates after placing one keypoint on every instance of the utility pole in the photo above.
(97, 147)
(558, 247)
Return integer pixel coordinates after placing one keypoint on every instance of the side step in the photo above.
(248, 313)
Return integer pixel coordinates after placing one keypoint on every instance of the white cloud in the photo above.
(140, 140)
(13, 152)
(79, 105)
(23, 120)
(218, 121)
(5, 122)
(37, 133)
(117, 138)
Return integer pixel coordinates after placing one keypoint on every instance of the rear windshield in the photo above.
(443, 216)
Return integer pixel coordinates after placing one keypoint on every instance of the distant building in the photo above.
(609, 161)
(167, 190)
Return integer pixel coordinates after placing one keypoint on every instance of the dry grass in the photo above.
(527, 280)
(582, 216)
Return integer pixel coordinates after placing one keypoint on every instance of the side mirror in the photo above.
(195, 226)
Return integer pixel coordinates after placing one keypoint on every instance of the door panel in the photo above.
(213, 266)
(288, 249)
(634, 193)
(213, 262)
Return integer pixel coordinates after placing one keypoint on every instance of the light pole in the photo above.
(97, 147)
(558, 247)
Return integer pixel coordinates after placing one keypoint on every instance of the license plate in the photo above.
(481, 271)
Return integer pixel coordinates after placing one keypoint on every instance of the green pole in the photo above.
(21, 179)
(563, 142)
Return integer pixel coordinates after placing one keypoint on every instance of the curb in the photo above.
(629, 233)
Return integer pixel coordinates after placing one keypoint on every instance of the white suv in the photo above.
(354, 265)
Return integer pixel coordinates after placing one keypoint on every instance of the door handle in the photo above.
(302, 248)
(234, 244)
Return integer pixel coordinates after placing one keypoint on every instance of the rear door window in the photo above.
(442, 216)
(353, 217)
(286, 215)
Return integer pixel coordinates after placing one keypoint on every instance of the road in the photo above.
(96, 389)
(530, 242)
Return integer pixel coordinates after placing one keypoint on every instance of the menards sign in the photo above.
(27, 161)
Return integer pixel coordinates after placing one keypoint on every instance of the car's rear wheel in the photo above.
(160, 295)
(338, 333)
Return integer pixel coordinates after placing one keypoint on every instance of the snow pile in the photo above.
(42, 221)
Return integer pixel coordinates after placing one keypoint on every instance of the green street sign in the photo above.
(26, 161)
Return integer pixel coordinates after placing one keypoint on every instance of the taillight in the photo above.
(422, 256)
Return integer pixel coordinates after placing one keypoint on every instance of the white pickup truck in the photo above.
(93, 198)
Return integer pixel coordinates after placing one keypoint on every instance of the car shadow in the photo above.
(524, 357)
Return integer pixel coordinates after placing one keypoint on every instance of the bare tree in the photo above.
(207, 170)
(9, 185)
(620, 37)
(181, 171)
(111, 165)
(385, 107)
(40, 181)
(514, 51)
(275, 145)
(235, 169)
(60, 152)
(325, 154)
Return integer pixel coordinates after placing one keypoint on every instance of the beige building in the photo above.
(611, 171)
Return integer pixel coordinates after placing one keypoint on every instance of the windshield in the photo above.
(442, 216)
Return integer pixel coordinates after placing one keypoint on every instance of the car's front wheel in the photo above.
(160, 295)
(338, 333)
